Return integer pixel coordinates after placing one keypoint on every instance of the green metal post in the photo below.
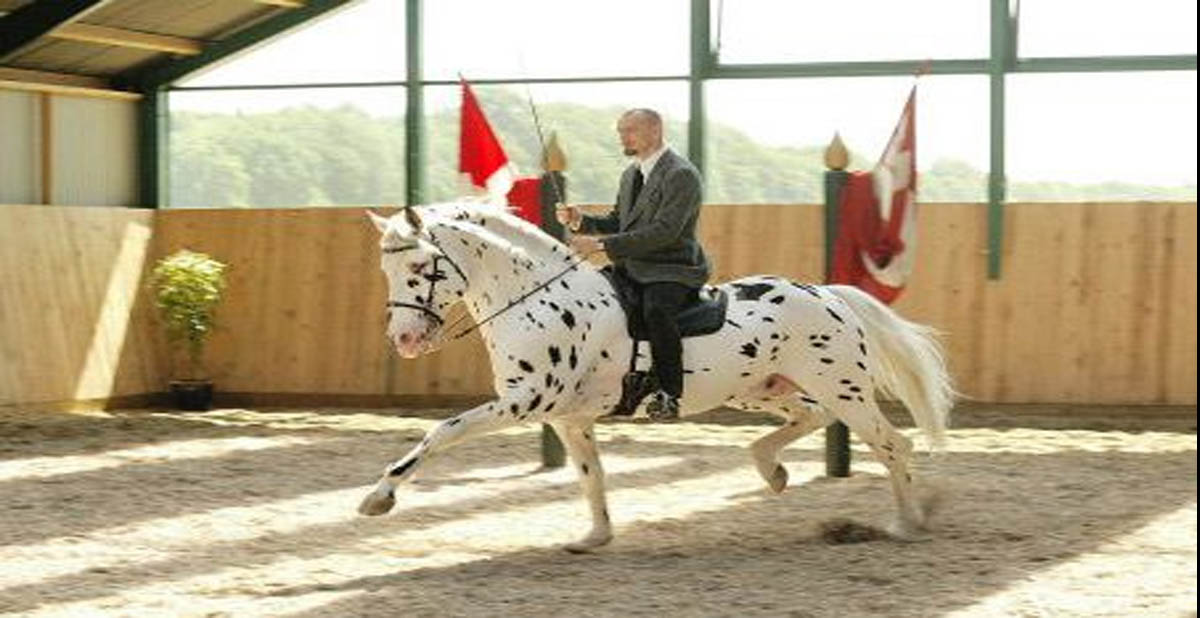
(414, 116)
(153, 159)
(701, 65)
(1002, 57)
(552, 189)
(837, 435)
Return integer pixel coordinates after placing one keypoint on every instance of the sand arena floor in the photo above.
(241, 512)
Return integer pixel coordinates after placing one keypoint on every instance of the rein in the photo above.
(437, 275)
(519, 300)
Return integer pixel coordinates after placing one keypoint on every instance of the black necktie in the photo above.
(638, 181)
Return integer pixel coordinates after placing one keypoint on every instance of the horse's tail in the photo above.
(909, 363)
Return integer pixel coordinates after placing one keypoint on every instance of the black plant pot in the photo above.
(192, 395)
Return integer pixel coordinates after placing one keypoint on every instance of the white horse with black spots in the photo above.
(811, 354)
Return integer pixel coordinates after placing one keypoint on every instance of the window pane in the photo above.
(769, 148)
(517, 39)
(316, 147)
(1102, 136)
(764, 31)
(583, 115)
(1088, 28)
(361, 43)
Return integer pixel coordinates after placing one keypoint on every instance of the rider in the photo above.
(650, 236)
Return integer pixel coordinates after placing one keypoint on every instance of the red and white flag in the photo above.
(877, 230)
(480, 155)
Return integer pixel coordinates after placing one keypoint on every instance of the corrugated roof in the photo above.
(128, 46)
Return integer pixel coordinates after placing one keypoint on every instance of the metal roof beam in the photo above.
(104, 35)
(163, 73)
(61, 83)
(23, 26)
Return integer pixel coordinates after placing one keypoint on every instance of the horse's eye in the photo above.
(416, 267)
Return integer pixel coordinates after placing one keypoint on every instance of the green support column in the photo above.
(701, 65)
(1002, 58)
(837, 435)
(153, 135)
(414, 115)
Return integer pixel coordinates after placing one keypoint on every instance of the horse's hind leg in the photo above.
(802, 418)
(893, 450)
(580, 441)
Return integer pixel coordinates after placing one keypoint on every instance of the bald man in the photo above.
(650, 236)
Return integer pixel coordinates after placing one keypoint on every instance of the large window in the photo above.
(549, 38)
(363, 42)
(1096, 136)
(773, 31)
(583, 115)
(1068, 136)
(287, 147)
(769, 148)
(1089, 28)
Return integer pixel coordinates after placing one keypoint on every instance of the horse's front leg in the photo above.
(483, 419)
(579, 437)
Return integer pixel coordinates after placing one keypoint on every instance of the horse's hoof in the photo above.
(779, 479)
(375, 504)
(907, 532)
(588, 544)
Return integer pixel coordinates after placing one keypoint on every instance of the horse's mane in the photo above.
(502, 222)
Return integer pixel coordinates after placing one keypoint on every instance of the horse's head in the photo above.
(422, 282)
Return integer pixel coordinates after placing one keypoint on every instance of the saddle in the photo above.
(704, 316)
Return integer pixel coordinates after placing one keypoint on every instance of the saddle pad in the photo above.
(703, 317)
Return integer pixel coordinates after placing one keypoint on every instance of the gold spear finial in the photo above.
(553, 158)
(836, 155)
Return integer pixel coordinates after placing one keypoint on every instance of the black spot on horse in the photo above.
(525, 366)
(572, 360)
(733, 324)
(827, 360)
(555, 355)
(402, 468)
(537, 400)
(751, 291)
(568, 318)
(750, 350)
(778, 300)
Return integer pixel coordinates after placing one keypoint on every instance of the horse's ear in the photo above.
(414, 219)
(381, 223)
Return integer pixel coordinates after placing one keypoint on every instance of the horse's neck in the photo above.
(537, 244)
(504, 277)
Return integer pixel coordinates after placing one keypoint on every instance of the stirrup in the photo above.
(635, 386)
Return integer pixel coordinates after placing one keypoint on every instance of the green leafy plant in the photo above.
(187, 287)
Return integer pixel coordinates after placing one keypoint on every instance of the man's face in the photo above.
(639, 136)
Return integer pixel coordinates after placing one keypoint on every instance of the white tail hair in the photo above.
(909, 363)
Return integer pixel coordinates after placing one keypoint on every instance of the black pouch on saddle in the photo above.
(706, 315)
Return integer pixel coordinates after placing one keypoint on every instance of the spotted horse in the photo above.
(810, 354)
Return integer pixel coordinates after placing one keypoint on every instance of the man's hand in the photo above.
(586, 245)
(568, 216)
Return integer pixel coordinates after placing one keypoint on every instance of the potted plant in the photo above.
(187, 287)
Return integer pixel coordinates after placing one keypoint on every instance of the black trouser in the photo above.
(661, 303)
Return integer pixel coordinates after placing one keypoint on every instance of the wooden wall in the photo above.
(74, 324)
(304, 310)
(1096, 303)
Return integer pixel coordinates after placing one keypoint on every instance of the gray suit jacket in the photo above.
(654, 238)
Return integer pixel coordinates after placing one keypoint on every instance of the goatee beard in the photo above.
(629, 152)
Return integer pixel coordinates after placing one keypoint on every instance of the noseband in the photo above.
(426, 308)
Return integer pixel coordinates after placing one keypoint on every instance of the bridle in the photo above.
(427, 309)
